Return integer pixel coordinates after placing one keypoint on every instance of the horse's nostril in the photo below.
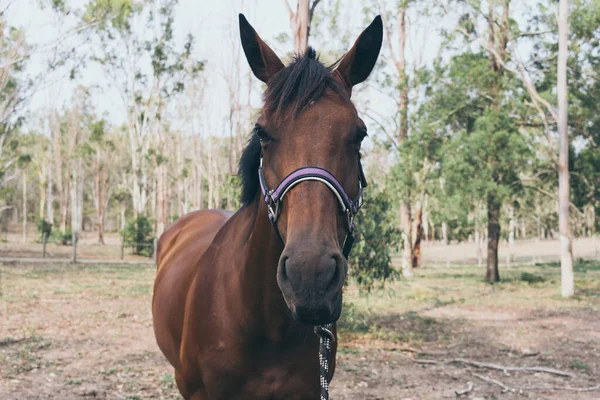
(336, 274)
(337, 265)
(283, 272)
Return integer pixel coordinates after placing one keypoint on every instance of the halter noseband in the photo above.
(274, 197)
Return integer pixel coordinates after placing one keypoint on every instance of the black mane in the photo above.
(303, 81)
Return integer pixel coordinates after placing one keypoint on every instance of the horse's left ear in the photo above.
(358, 63)
(262, 59)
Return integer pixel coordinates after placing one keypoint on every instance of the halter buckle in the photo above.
(273, 213)
(350, 220)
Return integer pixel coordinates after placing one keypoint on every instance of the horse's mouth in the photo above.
(324, 314)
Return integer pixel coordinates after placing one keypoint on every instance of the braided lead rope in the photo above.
(325, 339)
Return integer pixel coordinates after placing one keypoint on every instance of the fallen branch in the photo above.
(495, 382)
(524, 355)
(417, 351)
(469, 389)
(506, 388)
(419, 361)
(498, 367)
(508, 368)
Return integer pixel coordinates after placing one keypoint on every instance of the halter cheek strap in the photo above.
(350, 207)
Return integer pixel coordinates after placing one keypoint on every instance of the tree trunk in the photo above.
(101, 189)
(74, 214)
(24, 207)
(418, 234)
(42, 203)
(405, 209)
(566, 251)
(445, 233)
(299, 22)
(122, 216)
(492, 274)
(160, 201)
(49, 198)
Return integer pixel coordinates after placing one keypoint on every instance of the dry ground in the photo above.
(79, 332)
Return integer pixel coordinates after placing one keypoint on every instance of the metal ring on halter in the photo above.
(321, 330)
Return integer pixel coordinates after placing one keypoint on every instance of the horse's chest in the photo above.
(267, 375)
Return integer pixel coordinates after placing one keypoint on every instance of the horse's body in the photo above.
(234, 307)
(227, 340)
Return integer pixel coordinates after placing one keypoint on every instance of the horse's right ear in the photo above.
(358, 63)
(263, 61)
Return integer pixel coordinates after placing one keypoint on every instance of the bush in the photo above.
(44, 227)
(138, 234)
(531, 278)
(376, 237)
(66, 237)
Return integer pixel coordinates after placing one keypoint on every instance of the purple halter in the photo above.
(274, 197)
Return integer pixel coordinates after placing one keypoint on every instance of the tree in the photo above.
(300, 23)
(147, 70)
(399, 61)
(564, 201)
(14, 90)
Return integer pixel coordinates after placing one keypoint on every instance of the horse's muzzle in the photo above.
(312, 289)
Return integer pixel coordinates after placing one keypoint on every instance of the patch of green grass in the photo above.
(167, 381)
(21, 355)
(579, 365)
(531, 278)
(74, 382)
(349, 350)
(108, 372)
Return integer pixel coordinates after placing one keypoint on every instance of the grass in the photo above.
(579, 365)
(22, 355)
(392, 314)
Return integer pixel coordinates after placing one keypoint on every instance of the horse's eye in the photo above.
(261, 133)
(361, 134)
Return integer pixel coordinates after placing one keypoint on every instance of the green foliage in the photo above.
(376, 238)
(65, 238)
(138, 234)
(44, 227)
(531, 278)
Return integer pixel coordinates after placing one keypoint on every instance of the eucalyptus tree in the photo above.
(300, 22)
(139, 53)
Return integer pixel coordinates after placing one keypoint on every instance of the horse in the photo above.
(237, 296)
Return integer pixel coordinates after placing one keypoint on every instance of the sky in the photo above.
(214, 23)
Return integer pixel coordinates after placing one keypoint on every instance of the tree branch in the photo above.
(388, 35)
(290, 11)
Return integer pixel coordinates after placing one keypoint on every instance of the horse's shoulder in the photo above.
(197, 226)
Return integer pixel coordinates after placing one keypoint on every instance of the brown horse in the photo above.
(234, 307)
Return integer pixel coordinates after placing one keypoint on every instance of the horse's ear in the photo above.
(263, 61)
(358, 63)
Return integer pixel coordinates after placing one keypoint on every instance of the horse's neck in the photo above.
(258, 268)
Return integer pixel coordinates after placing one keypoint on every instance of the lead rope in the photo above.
(325, 339)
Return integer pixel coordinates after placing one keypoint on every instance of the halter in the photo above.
(350, 207)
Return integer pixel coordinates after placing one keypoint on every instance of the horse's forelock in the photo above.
(303, 81)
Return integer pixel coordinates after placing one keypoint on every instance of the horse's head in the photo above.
(309, 120)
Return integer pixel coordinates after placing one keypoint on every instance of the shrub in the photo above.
(138, 234)
(376, 237)
(44, 227)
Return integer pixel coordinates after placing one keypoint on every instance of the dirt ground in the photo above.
(79, 332)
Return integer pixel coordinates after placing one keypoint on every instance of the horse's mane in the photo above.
(303, 81)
